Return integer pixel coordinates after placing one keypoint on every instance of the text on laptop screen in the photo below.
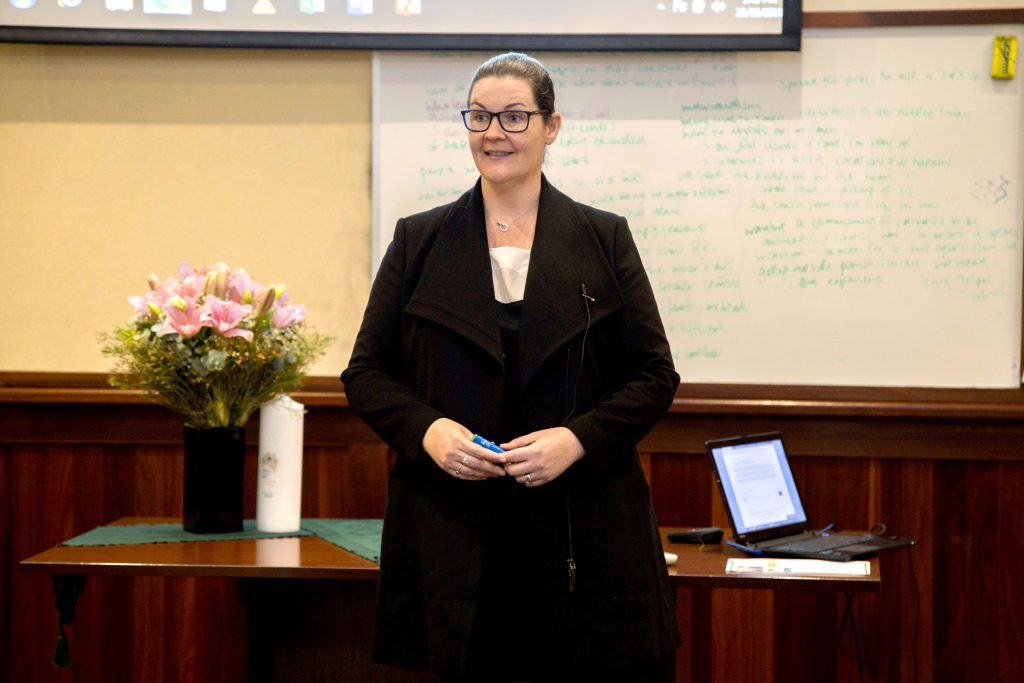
(758, 485)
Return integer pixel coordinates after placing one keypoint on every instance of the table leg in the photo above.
(66, 589)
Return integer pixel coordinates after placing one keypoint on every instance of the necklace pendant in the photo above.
(502, 226)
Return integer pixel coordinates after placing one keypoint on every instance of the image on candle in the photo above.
(268, 468)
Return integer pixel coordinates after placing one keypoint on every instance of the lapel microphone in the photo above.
(587, 300)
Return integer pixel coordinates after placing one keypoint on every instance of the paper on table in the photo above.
(773, 566)
(279, 484)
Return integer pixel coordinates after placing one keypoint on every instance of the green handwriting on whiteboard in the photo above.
(841, 215)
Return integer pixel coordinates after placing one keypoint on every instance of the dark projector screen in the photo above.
(411, 24)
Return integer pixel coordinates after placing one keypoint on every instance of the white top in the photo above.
(509, 266)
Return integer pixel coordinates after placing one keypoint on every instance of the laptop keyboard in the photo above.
(816, 543)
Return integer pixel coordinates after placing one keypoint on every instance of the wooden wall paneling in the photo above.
(146, 629)
(693, 612)
(155, 484)
(1009, 583)
(984, 539)
(33, 628)
(8, 563)
(800, 618)
(162, 616)
(856, 436)
(834, 491)
(850, 612)
(743, 636)
(345, 481)
(681, 497)
(902, 639)
(719, 516)
(886, 645)
(872, 623)
(336, 426)
(949, 477)
(679, 489)
(183, 630)
(928, 17)
(952, 571)
(44, 510)
(125, 629)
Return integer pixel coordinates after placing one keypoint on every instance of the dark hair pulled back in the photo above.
(525, 67)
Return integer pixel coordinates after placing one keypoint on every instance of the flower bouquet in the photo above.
(213, 345)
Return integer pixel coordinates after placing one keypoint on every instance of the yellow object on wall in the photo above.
(1004, 57)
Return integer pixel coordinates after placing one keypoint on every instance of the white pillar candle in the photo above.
(279, 484)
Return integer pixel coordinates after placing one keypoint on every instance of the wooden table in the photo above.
(317, 620)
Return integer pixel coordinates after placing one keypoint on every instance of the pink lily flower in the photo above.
(190, 282)
(146, 305)
(243, 289)
(185, 317)
(224, 317)
(215, 280)
(151, 304)
(285, 315)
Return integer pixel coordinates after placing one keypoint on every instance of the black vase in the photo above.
(214, 467)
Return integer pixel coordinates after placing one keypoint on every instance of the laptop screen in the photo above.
(757, 484)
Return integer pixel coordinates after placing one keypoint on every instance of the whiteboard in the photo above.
(847, 215)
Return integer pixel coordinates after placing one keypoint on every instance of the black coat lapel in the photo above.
(455, 287)
(566, 256)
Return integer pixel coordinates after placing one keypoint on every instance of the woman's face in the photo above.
(509, 158)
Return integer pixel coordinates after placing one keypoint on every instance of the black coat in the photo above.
(430, 347)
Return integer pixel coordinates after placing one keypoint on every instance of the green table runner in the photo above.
(358, 536)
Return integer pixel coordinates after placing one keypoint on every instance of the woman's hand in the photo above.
(450, 445)
(540, 457)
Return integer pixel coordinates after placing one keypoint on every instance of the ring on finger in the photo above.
(529, 480)
(458, 471)
(465, 460)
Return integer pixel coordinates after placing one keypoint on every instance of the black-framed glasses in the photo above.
(511, 121)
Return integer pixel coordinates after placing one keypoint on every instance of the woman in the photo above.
(541, 562)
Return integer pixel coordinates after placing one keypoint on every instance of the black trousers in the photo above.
(513, 641)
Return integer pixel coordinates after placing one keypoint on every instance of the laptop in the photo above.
(764, 506)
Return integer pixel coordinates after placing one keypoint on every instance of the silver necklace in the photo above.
(502, 226)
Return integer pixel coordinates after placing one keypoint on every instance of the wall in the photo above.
(118, 162)
(129, 126)
(941, 473)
